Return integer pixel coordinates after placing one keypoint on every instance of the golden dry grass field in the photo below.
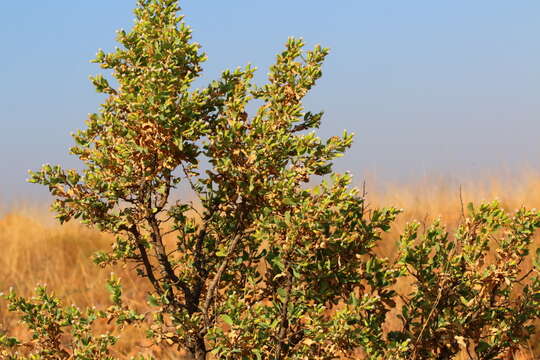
(35, 250)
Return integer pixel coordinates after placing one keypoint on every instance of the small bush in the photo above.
(64, 332)
(472, 292)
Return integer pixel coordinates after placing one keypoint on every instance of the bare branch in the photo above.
(215, 281)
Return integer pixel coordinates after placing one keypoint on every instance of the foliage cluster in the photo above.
(64, 332)
(264, 266)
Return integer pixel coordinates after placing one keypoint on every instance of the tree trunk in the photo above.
(199, 350)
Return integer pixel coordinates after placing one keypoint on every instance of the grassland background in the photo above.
(36, 250)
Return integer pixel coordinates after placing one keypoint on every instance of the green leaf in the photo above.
(282, 292)
(482, 347)
(152, 300)
(257, 353)
(227, 319)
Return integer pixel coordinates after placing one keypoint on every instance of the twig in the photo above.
(284, 323)
(215, 281)
(439, 296)
(461, 202)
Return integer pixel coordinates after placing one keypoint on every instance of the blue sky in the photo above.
(429, 87)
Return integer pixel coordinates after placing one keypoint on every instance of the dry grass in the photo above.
(35, 250)
(433, 198)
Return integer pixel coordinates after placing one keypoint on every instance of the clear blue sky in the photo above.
(429, 87)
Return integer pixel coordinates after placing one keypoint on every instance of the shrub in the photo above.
(470, 291)
(253, 273)
(263, 266)
(63, 332)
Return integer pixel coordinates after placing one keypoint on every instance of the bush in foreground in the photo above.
(264, 267)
